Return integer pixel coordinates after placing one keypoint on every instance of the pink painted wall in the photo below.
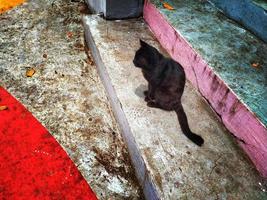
(251, 134)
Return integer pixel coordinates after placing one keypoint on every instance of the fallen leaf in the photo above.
(3, 108)
(167, 6)
(69, 34)
(256, 65)
(30, 72)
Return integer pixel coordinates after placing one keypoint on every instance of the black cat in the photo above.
(166, 81)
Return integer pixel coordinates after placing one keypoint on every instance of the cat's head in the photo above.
(146, 57)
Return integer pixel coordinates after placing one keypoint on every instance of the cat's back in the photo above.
(172, 74)
(171, 68)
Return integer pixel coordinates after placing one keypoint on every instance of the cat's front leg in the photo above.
(150, 93)
(147, 93)
(148, 97)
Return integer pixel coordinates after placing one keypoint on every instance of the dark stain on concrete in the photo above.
(223, 101)
(215, 83)
(155, 170)
(234, 107)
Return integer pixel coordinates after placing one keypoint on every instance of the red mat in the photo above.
(32, 163)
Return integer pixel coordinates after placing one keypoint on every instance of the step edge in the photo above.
(143, 174)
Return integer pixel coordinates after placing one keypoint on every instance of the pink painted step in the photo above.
(251, 134)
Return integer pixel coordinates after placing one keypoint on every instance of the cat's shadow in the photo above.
(139, 91)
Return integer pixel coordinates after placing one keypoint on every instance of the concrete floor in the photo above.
(168, 165)
(65, 94)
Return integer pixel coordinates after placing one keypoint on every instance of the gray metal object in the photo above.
(97, 6)
(117, 9)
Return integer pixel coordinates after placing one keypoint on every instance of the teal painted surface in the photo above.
(261, 3)
(250, 14)
(227, 47)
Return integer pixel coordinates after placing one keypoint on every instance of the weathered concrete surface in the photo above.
(65, 94)
(217, 57)
(167, 164)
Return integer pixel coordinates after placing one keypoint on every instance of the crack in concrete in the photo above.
(215, 165)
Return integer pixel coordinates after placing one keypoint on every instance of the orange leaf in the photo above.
(69, 34)
(30, 72)
(256, 65)
(3, 108)
(167, 6)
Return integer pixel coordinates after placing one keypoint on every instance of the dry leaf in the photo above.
(256, 65)
(69, 34)
(167, 6)
(30, 72)
(3, 108)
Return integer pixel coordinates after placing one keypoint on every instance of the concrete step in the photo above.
(167, 164)
(224, 61)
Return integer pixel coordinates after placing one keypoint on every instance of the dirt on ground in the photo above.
(64, 91)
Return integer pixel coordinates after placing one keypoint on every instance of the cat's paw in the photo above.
(147, 99)
(152, 104)
(146, 93)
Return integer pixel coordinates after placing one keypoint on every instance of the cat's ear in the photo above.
(143, 44)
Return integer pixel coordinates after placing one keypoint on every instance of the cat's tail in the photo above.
(185, 127)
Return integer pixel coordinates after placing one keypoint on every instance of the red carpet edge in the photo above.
(32, 163)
